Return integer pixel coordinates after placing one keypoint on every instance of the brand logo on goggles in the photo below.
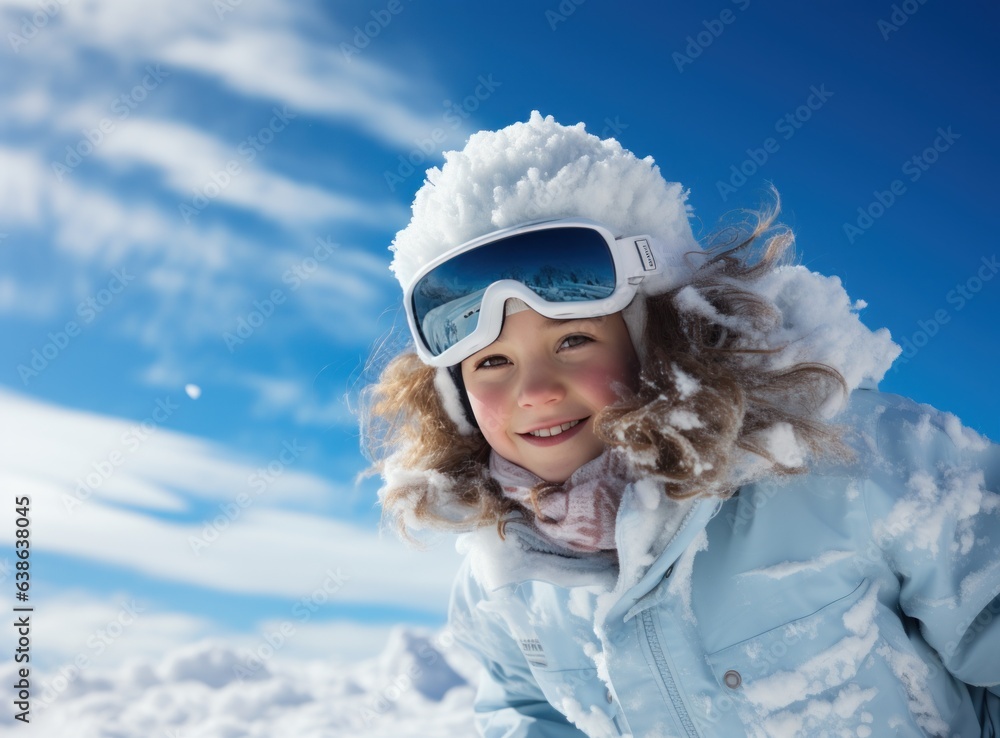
(646, 254)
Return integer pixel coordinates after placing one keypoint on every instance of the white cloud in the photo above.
(257, 50)
(250, 541)
(279, 65)
(23, 179)
(278, 396)
(94, 225)
(252, 550)
(114, 457)
(30, 107)
(421, 686)
(110, 630)
(281, 396)
(39, 301)
(130, 30)
(343, 640)
(195, 164)
(118, 628)
(190, 268)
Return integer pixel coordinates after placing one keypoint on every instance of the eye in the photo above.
(492, 361)
(575, 340)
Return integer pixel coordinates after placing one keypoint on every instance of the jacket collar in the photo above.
(651, 532)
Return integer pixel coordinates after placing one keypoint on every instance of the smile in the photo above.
(554, 430)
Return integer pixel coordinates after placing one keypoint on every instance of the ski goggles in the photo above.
(563, 269)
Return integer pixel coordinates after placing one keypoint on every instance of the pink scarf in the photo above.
(580, 513)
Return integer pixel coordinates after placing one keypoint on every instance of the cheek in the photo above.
(602, 384)
(489, 408)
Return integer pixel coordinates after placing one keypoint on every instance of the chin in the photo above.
(557, 474)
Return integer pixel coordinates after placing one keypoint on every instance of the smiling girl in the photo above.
(686, 510)
(536, 390)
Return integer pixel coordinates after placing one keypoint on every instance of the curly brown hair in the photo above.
(706, 392)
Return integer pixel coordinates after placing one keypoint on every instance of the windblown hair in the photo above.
(434, 476)
(703, 420)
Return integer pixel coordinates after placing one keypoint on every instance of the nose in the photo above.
(541, 384)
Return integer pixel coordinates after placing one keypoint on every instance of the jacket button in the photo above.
(732, 679)
(608, 697)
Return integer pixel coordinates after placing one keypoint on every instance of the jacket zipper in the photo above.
(666, 676)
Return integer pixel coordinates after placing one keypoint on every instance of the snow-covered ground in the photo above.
(421, 686)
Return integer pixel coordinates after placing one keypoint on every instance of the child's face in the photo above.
(541, 374)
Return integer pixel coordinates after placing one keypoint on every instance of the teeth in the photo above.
(554, 430)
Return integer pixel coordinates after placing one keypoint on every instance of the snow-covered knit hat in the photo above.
(541, 169)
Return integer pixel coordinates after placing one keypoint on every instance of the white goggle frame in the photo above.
(633, 258)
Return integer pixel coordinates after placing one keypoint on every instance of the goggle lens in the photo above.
(569, 264)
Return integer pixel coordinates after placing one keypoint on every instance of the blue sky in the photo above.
(204, 194)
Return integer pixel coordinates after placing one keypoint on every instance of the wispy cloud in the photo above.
(73, 619)
(22, 181)
(257, 50)
(260, 551)
(281, 66)
(203, 170)
(115, 476)
(39, 301)
(278, 396)
(152, 457)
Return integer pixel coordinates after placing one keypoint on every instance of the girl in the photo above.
(686, 509)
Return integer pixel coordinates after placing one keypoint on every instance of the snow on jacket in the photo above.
(860, 599)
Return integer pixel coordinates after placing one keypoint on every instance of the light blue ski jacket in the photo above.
(862, 599)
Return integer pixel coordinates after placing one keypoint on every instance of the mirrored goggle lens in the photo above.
(559, 265)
